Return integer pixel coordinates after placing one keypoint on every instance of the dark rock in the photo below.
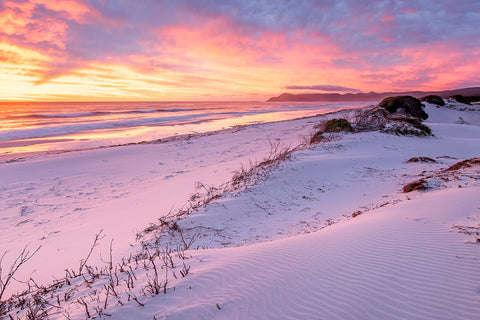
(407, 104)
(433, 99)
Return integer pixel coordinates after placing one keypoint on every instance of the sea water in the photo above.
(30, 127)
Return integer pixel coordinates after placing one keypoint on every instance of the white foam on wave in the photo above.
(68, 129)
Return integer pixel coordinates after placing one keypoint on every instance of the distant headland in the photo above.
(371, 96)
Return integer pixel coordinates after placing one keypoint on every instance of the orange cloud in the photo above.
(183, 50)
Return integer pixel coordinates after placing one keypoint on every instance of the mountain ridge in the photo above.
(371, 96)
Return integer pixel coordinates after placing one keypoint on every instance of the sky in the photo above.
(98, 50)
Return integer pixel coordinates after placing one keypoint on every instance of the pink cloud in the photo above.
(355, 44)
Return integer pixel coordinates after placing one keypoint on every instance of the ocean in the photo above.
(32, 127)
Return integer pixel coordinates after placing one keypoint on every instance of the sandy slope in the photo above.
(400, 259)
(402, 262)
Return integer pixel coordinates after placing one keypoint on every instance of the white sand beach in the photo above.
(326, 234)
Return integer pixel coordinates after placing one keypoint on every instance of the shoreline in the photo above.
(16, 157)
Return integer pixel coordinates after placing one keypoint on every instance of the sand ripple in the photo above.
(396, 263)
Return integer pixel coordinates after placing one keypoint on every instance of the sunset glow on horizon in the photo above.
(99, 50)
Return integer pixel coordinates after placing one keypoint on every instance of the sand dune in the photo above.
(402, 262)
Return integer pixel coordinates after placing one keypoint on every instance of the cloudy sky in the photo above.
(231, 50)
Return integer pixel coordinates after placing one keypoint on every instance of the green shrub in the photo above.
(338, 125)
(408, 104)
(419, 125)
(407, 132)
(471, 99)
(408, 127)
(433, 99)
(464, 100)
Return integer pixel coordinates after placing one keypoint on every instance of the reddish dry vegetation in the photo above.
(422, 184)
(422, 159)
(356, 213)
(464, 164)
(415, 185)
(473, 231)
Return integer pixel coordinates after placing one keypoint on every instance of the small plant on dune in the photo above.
(464, 164)
(473, 231)
(407, 127)
(459, 171)
(356, 214)
(421, 159)
(276, 156)
(415, 185)
(338, 125)
(419, 125)
(331, 126)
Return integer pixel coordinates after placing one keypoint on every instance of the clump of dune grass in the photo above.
(407, 127)
(331, 126)
(338, 125)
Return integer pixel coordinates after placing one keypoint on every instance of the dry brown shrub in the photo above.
(464, 164)
(415, 185)
(421, 159)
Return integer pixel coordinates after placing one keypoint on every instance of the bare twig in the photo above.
(83, 262)
(82, 302)
(187, 245)
(21, 259)
(136, 300)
